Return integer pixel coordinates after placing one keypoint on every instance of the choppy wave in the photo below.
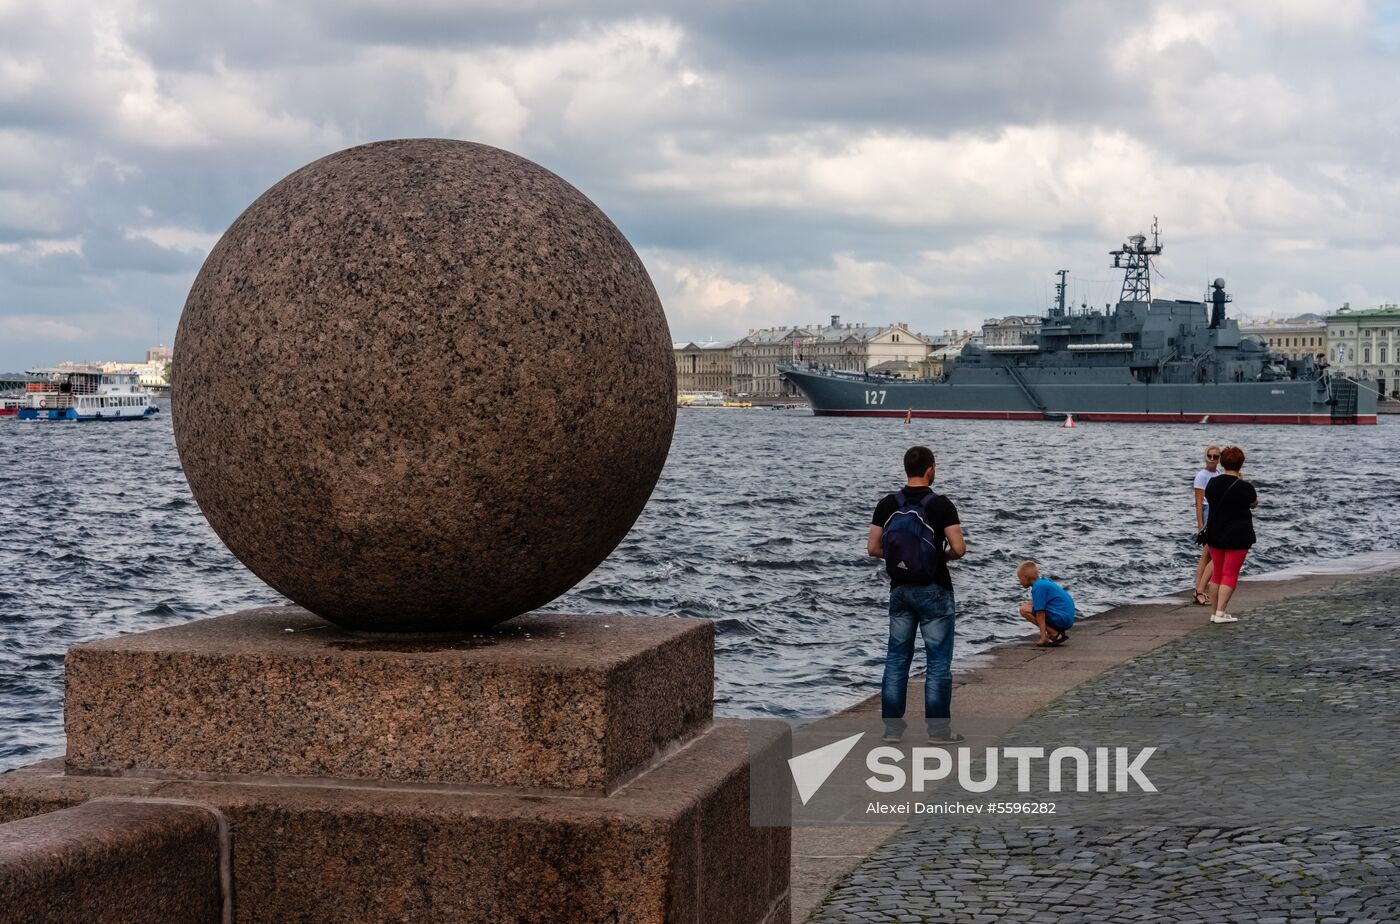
(102, 537)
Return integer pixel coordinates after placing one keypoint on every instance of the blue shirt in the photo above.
(1055, 601)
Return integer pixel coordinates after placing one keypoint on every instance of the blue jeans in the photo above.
(931, 608)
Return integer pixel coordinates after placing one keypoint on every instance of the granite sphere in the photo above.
(422, 386)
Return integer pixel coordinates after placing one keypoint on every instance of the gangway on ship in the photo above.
(1344, 400)
(1030, 394)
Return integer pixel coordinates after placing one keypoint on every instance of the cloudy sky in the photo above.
(773, 162)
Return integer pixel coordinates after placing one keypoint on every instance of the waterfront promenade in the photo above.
(1329, 641)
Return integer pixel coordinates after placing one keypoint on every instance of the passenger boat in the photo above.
(85, 393)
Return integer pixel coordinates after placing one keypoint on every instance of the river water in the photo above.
(758, 523)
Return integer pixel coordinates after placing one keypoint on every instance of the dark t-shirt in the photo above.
(940, 514)
(1231, 526)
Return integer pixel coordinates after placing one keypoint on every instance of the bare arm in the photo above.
(874, 547)
(957, 546)
(1200, 499)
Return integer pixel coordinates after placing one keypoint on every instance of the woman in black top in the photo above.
(1230, 531)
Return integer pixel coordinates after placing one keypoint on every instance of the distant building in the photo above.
(151, 374)
(1012, 330)
(159, 354)
(705, 366)
(858, 347)
(1295, 338)
(756, 358)
(1363, 343)
(848, 347)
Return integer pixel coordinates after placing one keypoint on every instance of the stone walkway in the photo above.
(1333, 657)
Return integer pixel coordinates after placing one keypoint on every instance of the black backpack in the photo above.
(912, 548)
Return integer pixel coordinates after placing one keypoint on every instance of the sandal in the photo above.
(1202, 599)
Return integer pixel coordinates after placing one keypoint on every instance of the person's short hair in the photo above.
(1232, 457)
(1026, 567)
(918, 460)
(1210, 447)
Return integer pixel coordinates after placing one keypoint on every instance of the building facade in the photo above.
(1363, 343)
(757, 356)
(1011, 330)
(1295, 338)
(705, 366)
(150, 374)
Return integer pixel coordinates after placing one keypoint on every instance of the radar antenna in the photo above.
(1135, 260)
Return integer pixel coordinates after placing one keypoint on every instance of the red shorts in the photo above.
(1225, 566)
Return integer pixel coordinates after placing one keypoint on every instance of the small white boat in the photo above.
(708, 399)
(85, 393)
(700, 399)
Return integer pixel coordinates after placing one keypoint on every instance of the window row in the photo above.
(112, 401)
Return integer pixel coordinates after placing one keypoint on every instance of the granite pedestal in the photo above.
(553, 769)
(545, 701)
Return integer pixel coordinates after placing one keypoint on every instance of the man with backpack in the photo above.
(917, 533)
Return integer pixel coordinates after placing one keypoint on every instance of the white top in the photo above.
(1203, 478)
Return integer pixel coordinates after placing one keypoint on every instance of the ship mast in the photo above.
(1135, 259)
(1059, 311)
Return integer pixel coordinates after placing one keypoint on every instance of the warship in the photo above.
(1145, 360)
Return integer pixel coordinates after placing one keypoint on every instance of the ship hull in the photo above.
(1288, 402)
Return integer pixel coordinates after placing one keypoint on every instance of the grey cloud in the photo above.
(911, 65)
(21, 277)
(107, 251)
(192, 36)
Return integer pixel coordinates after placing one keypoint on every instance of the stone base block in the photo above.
(542, 701)
(673, 844)
(114, 862)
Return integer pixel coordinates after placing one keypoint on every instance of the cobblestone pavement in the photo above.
(1333, 657)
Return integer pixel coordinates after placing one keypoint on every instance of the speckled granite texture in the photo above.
(559, 702)
(673, 846)
(422, 385)
(114, 863)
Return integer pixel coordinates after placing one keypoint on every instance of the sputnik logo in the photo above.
(811, 770)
